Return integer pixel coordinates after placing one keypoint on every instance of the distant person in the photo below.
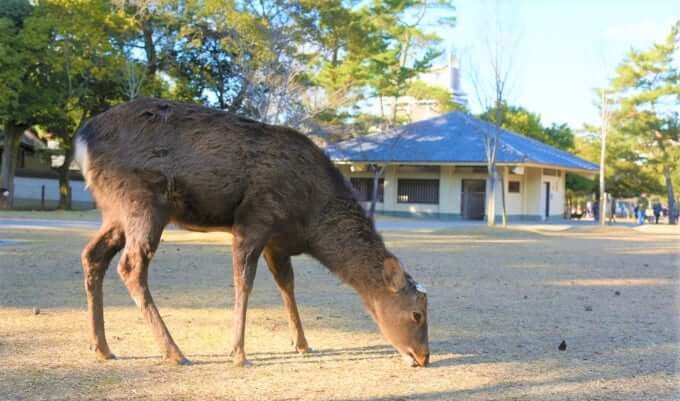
(656, 208)
(596, 211)
(612, 210)
(643, 204)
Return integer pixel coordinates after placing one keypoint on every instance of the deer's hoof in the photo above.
(306, 349)
(104, 356)
(239, 360)
(179, 361)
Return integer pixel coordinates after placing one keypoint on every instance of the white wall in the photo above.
(392, 174)
(557, 194)
(533, 200)
(514, 201)
(30, 189)
(530, 201)
(449, 190)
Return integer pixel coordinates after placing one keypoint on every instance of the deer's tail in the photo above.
(81, 154)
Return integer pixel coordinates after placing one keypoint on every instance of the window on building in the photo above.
(551, 171)
(363, 187)
(472, 169)
(513, 187)
(407, 169)
(418, 191)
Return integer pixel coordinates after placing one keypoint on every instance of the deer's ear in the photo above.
(394, 276)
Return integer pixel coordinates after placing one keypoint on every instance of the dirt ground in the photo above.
(501, 302)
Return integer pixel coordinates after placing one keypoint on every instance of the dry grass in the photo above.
(501, 302)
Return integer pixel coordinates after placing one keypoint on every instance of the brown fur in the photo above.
(151, 162)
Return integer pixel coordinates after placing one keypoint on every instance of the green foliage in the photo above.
(647, 92)
(520, 120)
(580, 186)
(10, 73)
(406, 49)
(79, 65)
(15, 11)
(441, 96)
(560, 136)
(272, 59)
(375, 49)
(626, 173)
(16, 86)
(218, 46)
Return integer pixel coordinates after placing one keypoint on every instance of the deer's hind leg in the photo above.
(245, 254)
(96, 258)
(143, 231)
(282, 270)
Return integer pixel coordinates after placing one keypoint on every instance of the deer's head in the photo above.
(401, 313)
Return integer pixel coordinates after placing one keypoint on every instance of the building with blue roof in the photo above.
(438, 167)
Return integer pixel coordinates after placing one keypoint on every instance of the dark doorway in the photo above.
(473, 195)
(547, 200)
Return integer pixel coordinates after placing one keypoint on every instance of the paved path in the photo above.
(47, 224)
(383, 223)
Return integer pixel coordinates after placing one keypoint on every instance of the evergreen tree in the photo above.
(647, 86)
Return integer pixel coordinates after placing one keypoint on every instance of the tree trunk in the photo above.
(377, 173)
(9, 160)
(491, 201)
(393, 117)
(239, 98)
(603, 154)
(492, 161)
(149, 47)
(671, 197)
(504, 185)
(65, 193)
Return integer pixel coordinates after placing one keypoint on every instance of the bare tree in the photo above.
(604, 127)
(389, 141)
(134, 78)
(500, 42)
(277, 89)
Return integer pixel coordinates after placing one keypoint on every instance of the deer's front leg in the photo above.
(244, 256)
(282, 270)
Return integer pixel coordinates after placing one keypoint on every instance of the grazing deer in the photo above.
(152, 162)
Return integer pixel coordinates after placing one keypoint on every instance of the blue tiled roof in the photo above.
(455, 137)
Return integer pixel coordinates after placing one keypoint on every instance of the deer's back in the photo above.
(209, 168)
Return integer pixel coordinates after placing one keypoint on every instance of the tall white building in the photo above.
(446, 76)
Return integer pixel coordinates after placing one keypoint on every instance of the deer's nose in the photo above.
(424, 361)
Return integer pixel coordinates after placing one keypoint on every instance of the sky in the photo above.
(564, 48)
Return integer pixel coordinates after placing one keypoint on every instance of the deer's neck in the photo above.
(346, 242)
